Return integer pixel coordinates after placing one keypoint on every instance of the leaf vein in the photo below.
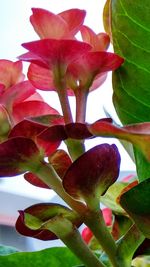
(130, 95)
(133, 20)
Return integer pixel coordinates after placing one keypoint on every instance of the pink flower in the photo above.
(61, 26)
(10, 73)
(99, 42)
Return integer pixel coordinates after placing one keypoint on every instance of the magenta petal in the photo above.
(47, 24)
(51, 138)
(40, 77)
(77, 131)
(33, 108)
(44, 212)
(60, 161)
(17, 93)
(26, 231)
(15, 153)
(27, 128)
(74, 18)
(31, 57)
(93, 172)
(10, 72)
(52, 51)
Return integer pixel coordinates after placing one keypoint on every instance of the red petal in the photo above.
(26, 231)
(34, 180)
(99, 42)
(54, 52)
(87, 235)
(31, 109)
(51, 138)
(107, 214)
(17, 94)
(27, 128)
(10, 72)
(74, 18)
(93, 172)
(91, 64)
(61, 161)
(14, 154)
(77, 131)
(41, 78)
(48, 25)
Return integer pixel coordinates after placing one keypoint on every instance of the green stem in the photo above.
(94, 220)
(48, 175)
(81, 250)
(73, 240)
(127, 246)
(60, 84)
(75, 148)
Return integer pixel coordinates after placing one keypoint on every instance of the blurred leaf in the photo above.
(6, 250)
(141, 261)
(131, 38)
(136, 202)
(128, 244)
(110, 197)
(123, 224)
(53, 257)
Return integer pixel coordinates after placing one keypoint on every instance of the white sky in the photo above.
(16, 29)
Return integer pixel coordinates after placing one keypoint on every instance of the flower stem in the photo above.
(94, 220)
(81, 102)
(75, 148)
(48, 175)
(60, 84)
(81, 250)
(71, 237)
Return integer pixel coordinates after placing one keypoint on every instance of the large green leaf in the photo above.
(53, 257)
(131, 82)
(136, 202)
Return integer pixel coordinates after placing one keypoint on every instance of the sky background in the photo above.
(15, 29)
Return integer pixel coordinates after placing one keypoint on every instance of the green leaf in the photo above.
(128, 244)
(110, 197)
(53, 257)
(6, 250)
(136, 202)
(131, 39)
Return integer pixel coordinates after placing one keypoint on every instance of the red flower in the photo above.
(10, 73)
(89, 67)
(61, 26)
(99, 42)
(52, 53)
